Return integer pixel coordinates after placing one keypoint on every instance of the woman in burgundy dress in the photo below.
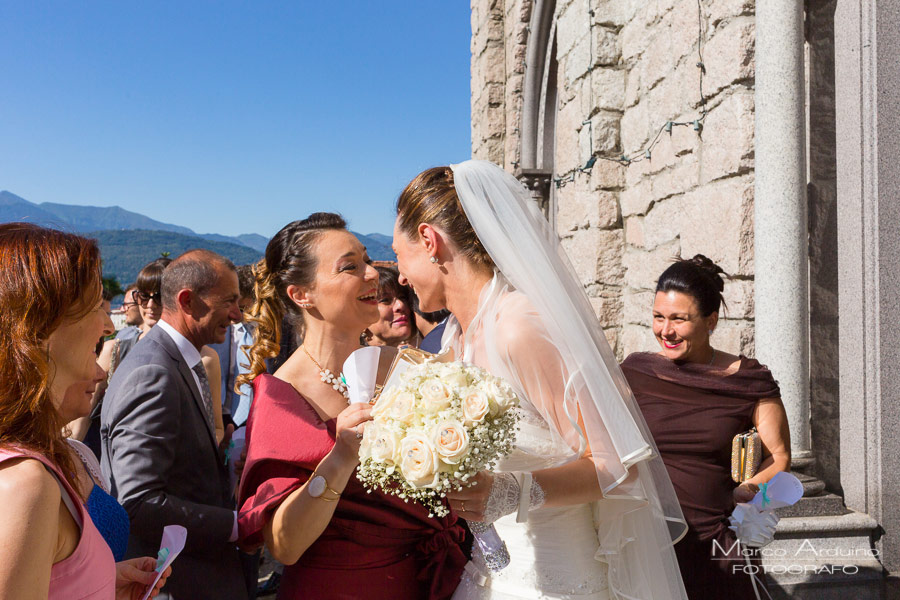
(298, 493)
(695, 400)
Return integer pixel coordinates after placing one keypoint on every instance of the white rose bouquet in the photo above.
(434, 429)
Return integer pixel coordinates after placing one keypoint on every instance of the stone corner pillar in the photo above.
(781, 254)
(867, 109)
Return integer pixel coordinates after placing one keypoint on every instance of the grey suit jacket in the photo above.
(164, 467)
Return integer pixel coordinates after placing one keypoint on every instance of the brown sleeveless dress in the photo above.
(693, 412)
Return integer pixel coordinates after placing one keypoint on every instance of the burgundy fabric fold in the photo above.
(376, 545)
(694, 411)
(751, 381)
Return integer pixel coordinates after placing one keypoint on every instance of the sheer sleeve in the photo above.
(535, 369)
(513, 343)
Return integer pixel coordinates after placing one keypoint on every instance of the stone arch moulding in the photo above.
(539, 104)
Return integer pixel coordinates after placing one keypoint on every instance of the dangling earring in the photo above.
(434, 259)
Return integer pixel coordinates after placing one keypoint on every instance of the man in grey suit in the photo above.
(158, 438)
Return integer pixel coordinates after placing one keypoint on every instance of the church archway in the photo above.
(539, 104)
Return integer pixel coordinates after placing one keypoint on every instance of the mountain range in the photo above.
(129, 240)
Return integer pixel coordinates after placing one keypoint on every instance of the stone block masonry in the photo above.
(624, 69)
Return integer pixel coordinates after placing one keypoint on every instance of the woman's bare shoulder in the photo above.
(28, 489)
(210, 360)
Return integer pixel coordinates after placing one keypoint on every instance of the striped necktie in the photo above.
(205, 393)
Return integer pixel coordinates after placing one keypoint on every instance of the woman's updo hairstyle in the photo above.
(290, 260)
(698, 277)
(431, 198)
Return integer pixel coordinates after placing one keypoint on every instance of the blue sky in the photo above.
(232, 117)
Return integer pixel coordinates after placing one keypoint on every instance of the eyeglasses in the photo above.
(144, 298)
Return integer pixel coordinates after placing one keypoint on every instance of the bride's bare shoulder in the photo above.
(517, 321)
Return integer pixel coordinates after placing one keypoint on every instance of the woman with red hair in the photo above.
(51, 318)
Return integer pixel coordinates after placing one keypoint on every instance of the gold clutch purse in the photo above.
(746, 454)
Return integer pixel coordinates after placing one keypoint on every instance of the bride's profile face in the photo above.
(346, 284)
(415, 266)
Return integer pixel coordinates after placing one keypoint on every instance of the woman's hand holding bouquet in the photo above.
(435, 432)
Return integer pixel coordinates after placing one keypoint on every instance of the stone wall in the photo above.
(499, 37)
(695, 192)
(488, 80)
(625, 69)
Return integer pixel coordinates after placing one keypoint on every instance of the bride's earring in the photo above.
(434, 260)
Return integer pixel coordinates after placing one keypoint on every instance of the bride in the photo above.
(583, 503)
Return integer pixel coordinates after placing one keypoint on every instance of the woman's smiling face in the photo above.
(395, 323)
(346, 284)
(417, 270)
(680, 329)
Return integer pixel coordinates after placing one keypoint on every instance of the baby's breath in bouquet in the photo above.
(434, 429)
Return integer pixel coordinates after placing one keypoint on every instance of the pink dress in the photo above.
(90, 572)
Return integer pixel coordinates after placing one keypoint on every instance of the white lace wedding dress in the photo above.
(553, 554)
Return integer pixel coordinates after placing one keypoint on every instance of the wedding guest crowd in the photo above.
(141, 314)
(225, 414)
(157, 429)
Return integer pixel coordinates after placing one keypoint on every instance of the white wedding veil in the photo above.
(639, 518)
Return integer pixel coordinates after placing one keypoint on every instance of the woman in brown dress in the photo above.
(695, 399)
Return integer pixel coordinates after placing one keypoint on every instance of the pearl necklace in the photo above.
(328, 378)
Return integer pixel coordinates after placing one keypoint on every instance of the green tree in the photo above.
(112, 286)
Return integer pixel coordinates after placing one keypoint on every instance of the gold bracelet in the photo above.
(318, 485)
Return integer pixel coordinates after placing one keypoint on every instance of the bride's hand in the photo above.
(470, 503)
(349, 429)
